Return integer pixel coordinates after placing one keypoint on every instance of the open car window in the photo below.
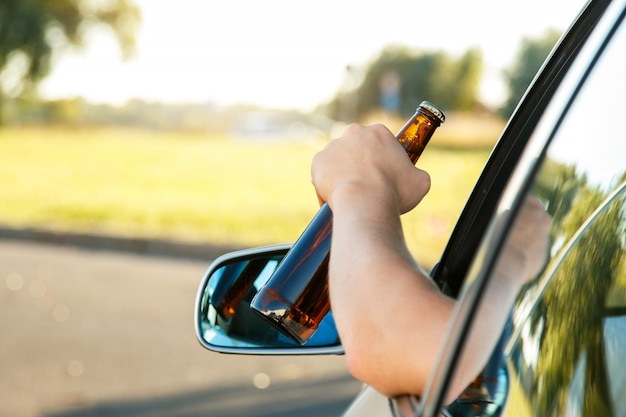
(568, 347)
(564, 350)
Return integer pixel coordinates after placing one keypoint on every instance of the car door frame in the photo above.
(449, 273)
(510, 169)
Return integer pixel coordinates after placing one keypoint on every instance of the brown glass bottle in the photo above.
(295, 299)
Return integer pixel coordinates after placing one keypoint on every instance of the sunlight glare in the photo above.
(279, 53)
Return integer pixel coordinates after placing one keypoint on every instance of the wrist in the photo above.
(377, 199)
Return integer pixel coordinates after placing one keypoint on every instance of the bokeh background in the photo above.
(139, 139)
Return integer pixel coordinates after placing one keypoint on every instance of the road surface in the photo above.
(87, 332)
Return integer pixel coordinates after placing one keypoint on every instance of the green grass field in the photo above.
(195, 187)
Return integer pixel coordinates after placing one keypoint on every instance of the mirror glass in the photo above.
(224, 320)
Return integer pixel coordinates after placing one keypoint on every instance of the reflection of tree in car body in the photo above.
(573, 295)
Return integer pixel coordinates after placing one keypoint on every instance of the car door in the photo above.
(564, 350)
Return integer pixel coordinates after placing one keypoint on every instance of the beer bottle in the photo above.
(295, 298)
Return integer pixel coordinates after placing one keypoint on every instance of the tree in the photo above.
(31, 30)
(530, 57)
(401, 77)
(465, 83)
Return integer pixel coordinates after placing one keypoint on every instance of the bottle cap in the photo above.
(434, 110)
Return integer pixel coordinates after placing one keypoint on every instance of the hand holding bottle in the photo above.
(295, 298)
(379, 167)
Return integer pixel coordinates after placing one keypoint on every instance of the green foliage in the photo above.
(559, 186)
(31, 30)
(465, 83)
(435, 76)
(532, 54)
(591, 269)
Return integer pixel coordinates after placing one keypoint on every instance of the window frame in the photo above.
(508, 176)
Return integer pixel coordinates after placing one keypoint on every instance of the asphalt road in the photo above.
(87, 332)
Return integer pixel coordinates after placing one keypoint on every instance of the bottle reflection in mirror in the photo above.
(237, 281)
(295, 299)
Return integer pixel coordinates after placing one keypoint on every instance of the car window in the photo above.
(565, 349)
(568, 349)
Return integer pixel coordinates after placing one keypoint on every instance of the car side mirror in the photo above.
(224, 321)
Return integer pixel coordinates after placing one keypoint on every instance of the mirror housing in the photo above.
(224, 321)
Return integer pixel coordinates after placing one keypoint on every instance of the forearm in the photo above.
(387, 310)
(391, 317)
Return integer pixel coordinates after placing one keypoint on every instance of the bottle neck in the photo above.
(415, 135)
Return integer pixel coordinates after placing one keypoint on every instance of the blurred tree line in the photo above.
(191, 117)
(79, 112)
(401, 77)
(31, 31)
(530, 56)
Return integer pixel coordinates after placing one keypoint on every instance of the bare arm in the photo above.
(390, 316)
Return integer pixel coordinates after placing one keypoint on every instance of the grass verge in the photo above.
(196, 188)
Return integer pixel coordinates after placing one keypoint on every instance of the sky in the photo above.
(288, 53)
